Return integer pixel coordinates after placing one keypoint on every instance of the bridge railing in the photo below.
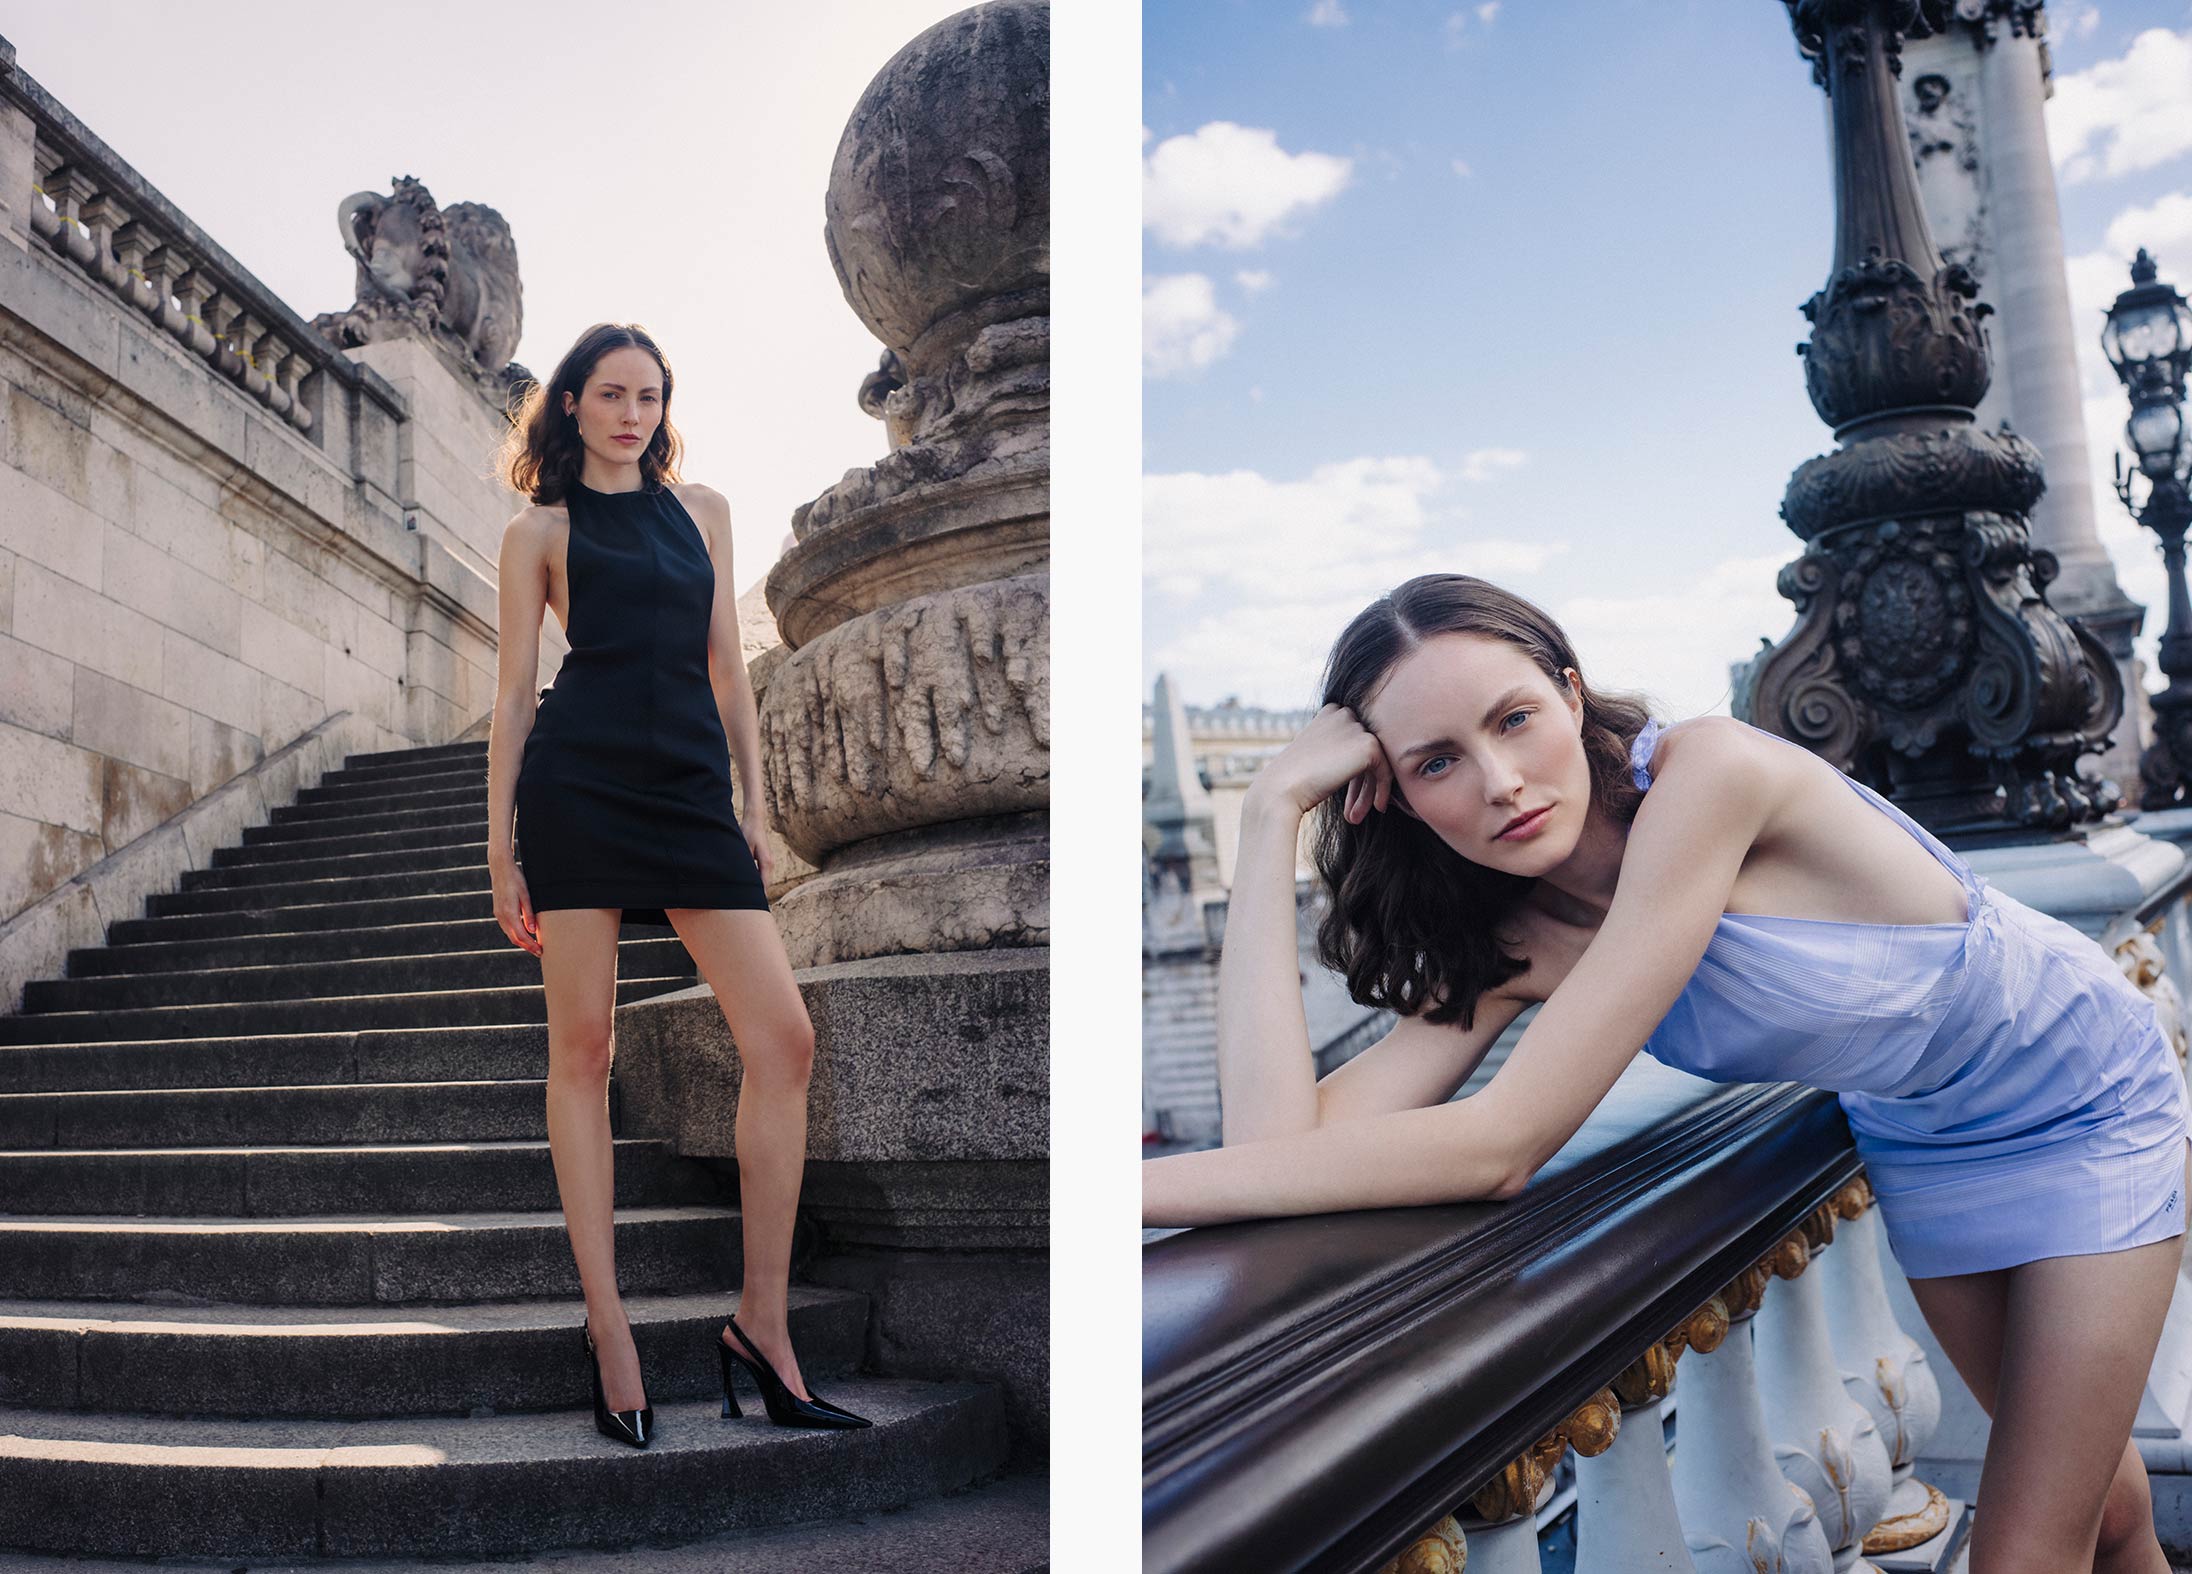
(1339, 1391)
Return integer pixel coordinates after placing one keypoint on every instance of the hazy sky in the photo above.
(663, 163)
(1514, 288)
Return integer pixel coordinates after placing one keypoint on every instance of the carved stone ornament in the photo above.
(447, 275)
(906, 735)
(938, 224)
(2140, 957)
(1515, 1491)
(1440, 1550)
(931, 710)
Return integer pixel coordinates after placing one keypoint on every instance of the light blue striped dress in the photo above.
(2009, 1089)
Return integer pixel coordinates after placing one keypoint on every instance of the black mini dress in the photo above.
(624, 791)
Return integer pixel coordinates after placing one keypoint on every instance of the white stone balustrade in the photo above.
(1824, 1440)
(1740, 1515)
(73, 212)
(1884, 1369)
(1803, 1406)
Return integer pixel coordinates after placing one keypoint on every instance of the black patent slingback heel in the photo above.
(785, 1408)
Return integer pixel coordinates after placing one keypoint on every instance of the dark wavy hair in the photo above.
(1411, 924)
(542, 456)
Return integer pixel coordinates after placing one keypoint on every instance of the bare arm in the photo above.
(1267, 1081)
(727, 676)
(1712, 799)
(521, 579)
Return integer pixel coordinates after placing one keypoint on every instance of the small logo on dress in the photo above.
(2171, 1205)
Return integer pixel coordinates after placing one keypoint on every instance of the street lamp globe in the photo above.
(2148, 338)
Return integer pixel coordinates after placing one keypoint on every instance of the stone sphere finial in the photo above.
(939, 198)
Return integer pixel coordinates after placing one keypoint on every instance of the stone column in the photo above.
(906, 734)
(1974, 97)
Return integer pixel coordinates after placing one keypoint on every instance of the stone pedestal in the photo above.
(927, 1151)
(906, 729)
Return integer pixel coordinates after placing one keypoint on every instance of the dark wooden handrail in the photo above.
(1317, 1392)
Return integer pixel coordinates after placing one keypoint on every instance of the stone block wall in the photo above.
(191, 578)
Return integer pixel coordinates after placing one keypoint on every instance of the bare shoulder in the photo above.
(531, 528)
(707, 506)
(1714, 775)
(1723, 750)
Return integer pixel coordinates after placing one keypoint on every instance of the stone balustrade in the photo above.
(92, 209)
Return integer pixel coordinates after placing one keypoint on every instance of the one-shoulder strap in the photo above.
(1640, 754)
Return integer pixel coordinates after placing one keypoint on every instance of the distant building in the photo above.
(1196, 766)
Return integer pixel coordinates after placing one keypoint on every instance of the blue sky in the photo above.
(1540, 324)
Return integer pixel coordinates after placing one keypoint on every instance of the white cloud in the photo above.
(2075, 20)
(1676, 644)
(1352, 528)
(1457, 25)
(1183, 327)
(1487, 11)
(1484, 463)
(1461, 168)
(2127, 114)
(1328, 13)
(1232, 186)
(1254, 280)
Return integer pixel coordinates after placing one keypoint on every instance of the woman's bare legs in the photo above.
(2057, 1352)
(578, 969)
(741, 955)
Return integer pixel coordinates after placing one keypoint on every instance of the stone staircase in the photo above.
(282, 1269)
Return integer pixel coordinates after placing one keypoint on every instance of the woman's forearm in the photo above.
(1267, 1079)
(742, 727)
(506, 735)
(1449, 1153)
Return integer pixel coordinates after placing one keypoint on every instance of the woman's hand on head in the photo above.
(1334, 751)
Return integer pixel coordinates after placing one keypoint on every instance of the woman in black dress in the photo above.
(612, 801)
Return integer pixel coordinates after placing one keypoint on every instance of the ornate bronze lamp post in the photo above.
(2149, 341)
(1925, 660)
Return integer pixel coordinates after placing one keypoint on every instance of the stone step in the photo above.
(303, 895)
(395, 1054)
(227, 874)
(330, 1260)
(409, 1112)
(304, 918)
(398, 777)
(310, 945)
(492, 1486)
(998, 1527)
(444, 1008)
(337, 802)
(357, 1361)
(500, 965)
(266, 1181)
(375, 832)
(427, 754)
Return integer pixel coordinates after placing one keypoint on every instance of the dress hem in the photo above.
(622, 894)
(2163, 1228)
